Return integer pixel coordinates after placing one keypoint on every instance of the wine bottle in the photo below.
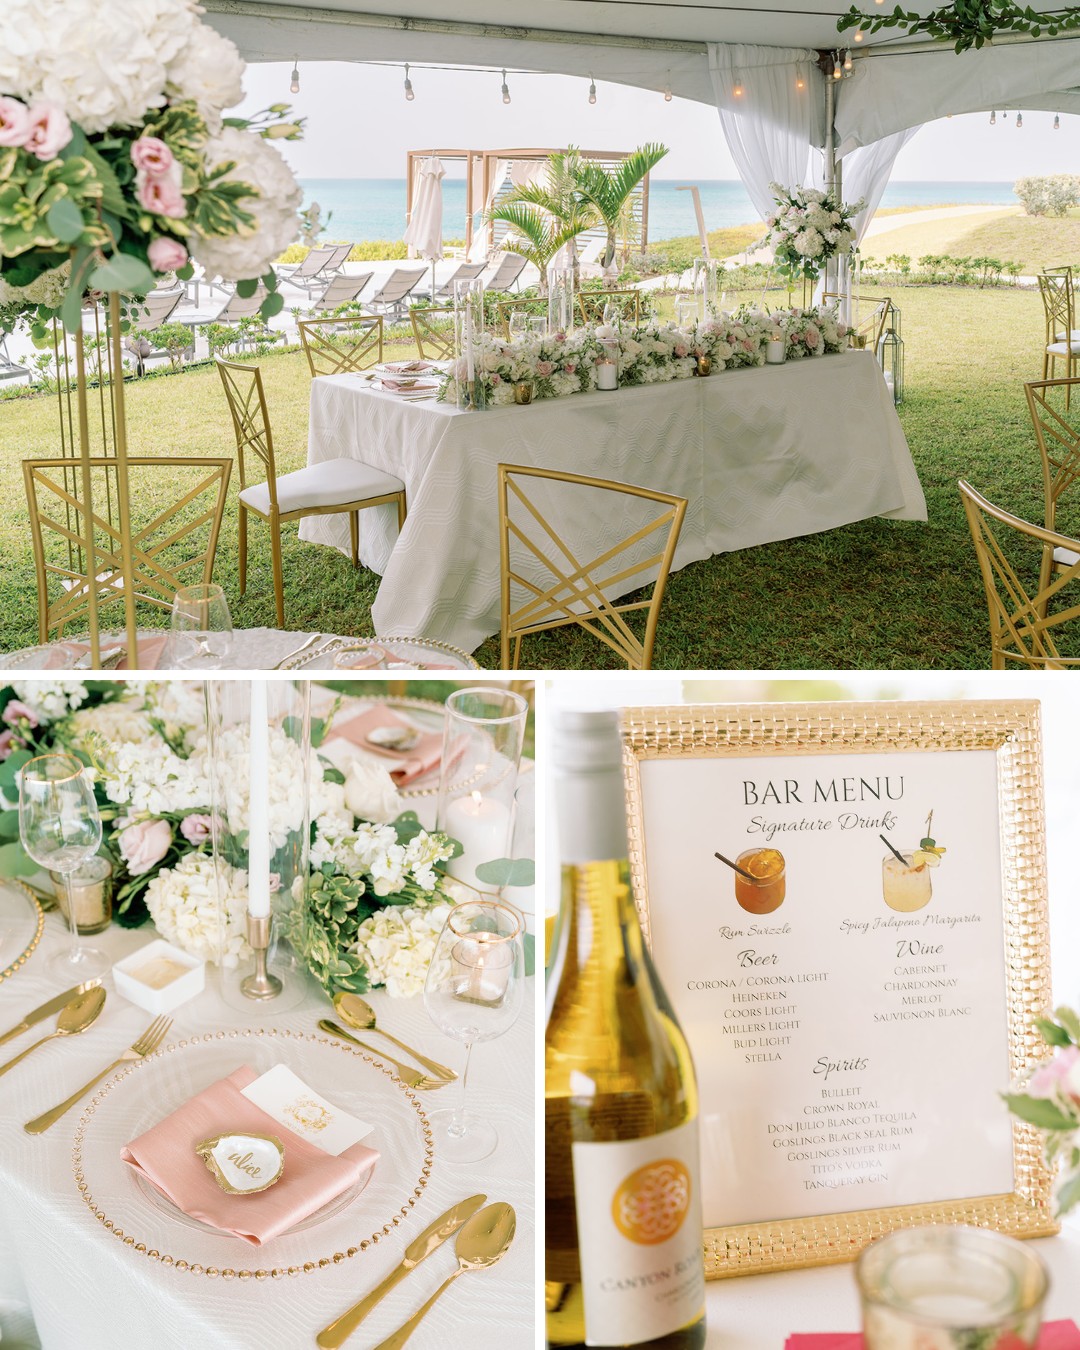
(624, 1260)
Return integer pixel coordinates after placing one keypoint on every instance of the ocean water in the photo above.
(374, 208)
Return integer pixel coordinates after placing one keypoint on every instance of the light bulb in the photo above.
(993, 118)
(1019, 119)
(737, 88)
(592, 90)
(505, 89)
(667, 94)
(800, 83)
(837, 71)
(409, 95)
(294, 87)
(1057, 122)
(848, 62)
(859, 35)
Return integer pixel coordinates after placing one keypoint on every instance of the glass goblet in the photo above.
(201, 627)
(60, 829)
(519, 324)
(473, 992)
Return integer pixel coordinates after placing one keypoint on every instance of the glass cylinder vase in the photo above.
(469, 330)
(560, 300)
(259, 740)
(482, 742)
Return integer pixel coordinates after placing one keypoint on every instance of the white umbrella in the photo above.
(424, 230)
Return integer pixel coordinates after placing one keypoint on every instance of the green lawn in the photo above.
(1034, 242)
(886, 594)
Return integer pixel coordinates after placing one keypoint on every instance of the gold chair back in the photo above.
(563, 589)
(1023, 626)
(434, 340)
(870, 326)
(338, 346)
(251, 421)
(591, 305)
(166, 552)
(1056, 289)
(1059, 452)
(507, 307)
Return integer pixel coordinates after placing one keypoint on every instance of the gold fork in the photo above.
(412, 1078)
(147, 1043)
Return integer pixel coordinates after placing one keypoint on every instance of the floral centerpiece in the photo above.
(809, 227)
(117, 164)
(377, 894)
(1050, 1100)
(555, 366)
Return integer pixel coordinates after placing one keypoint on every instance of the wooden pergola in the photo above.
(480, 174)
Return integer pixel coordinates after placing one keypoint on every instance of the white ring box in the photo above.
(159, 1000)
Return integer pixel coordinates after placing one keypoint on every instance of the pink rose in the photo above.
(144, 844)
(6, 737)
(49, 131)
(569, 367)
(151, 155)
(14, 122)
(166, 255)
(1047, 1078)
(544, 369)
(560, 336)
(680, 350)
(160, 195)
(17, 713)
(496, 379)
(196, 829)
(812, 338)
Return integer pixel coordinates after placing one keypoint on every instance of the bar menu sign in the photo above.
(843, 986)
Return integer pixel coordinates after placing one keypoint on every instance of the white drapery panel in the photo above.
(867, 171)
(770, 105)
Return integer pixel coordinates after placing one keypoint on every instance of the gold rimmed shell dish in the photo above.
(394, 738)
(243, 1164)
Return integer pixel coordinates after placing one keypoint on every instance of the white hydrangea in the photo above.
(125, 721)
(208, 70)
(183, 903)
(809, 243)
(397, 944)
(49, 700)
(47, 289)
(147, 776)
(275, 205)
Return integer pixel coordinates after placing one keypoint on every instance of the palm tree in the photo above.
(546, 216)
(609, 192)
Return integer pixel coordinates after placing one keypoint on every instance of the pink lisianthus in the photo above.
(1062, 1073)
(14, 122)
(18, 714)
(49, 130)
(144, 844)
(151, 155)
(196, 828)
(160, 194)
(544, 369)
(166, 255)
(6, 746)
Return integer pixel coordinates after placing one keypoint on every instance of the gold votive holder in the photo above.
(858, 340)
(91, 895)
(704, 365)
(523, 392)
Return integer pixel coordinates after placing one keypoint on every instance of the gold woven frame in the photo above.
(1010, 729)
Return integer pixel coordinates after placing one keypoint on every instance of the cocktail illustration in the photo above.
(905, 873)
(760, 880)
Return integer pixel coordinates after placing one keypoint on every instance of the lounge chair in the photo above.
(466, 272)
(505, 272)
(390, 298)
(9, 369)
(318, 267)
(235, 308)
(341, 290)
(147, 316)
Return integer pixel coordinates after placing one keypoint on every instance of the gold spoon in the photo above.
(359, 1015)
(76, 1016)
(482, 1241)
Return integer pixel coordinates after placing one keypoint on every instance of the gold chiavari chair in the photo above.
(167, 550)
(340, 345)
(1062, 337)
(1022, 626)
(434, 340)
(1059, 450)
(530, 304)
(331, 487)
(572, 591)
(591, 305)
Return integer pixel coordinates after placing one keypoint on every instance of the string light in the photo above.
(993, 118)
(859, 35)
(837, 72)
(800, 83)
(1057, 122)
(505, 89)
(849, 64)
(1019, 119)
(592, 90)
(409, 95)
(294, 86)
(667, 93)
(737, 88)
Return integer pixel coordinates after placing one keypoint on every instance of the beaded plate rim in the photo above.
(339, 644)
(406, 703)
(259, 1273)
(26, 954)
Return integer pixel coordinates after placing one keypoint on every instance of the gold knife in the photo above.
(47, 1009)
(445, 1226)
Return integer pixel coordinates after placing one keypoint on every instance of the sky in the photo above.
(465, 110)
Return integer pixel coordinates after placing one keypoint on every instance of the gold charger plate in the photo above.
(148, 1090)
(22, 921)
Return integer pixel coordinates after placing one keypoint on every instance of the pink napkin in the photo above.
(420, 759)
(166, 1156)
(150, 650)
(1054, 1336)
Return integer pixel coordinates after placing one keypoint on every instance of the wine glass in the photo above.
(201, 627)
(473, 992)
(60, 829)
(685, 307)
(519, 324)
(538, 326)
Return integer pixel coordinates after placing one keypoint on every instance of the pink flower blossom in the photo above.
(812, 337)
(196, 828)
(49, 131)
(14, 122)
(166, 255)
(1047, 1078)
(18, 714)
(560, 336)
(144, 844)
(680, 350)
(569, 367)
(496, 379)
(151, 155)
(160, 195)
(544, 369)
(6, 747)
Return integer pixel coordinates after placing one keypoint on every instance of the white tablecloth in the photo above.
(762, 454)
(83, 1288)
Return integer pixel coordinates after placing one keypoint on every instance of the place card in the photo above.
(288, 1100)
(855, 994)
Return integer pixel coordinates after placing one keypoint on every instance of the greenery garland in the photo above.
(968, 23)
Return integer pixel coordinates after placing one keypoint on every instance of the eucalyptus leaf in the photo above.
(1038, 1111)
(65, 220)
(11, 766)
(15, 863)
(122, 272)
(529, 946)
(507, 872)
(1051, 1033)
(1068, 1193)
(9, 824)
(273, 304)
(246, 289)
(1070, 1022)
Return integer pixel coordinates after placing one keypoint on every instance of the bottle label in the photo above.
(639, 1236)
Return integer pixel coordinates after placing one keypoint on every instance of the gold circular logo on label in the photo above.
(651, 1204)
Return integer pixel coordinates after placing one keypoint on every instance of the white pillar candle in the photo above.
(607, 375)
(774, 352)
(259, 804)
(481, 825)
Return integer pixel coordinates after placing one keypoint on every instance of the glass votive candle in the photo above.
(91, 895)
(950, 1288)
